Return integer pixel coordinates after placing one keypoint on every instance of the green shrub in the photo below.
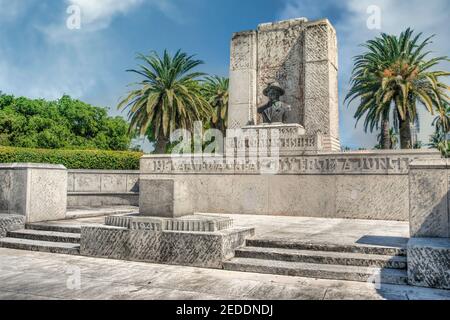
(73, 159)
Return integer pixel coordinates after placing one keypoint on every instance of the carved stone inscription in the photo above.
(286, 165)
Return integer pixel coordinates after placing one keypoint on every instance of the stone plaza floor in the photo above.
(38, 275)
(315, 230)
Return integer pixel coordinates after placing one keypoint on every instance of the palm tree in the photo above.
(215, 90)
(392, 139)
(442, 120)
(439, 141)
(168, 98)
(394, 72)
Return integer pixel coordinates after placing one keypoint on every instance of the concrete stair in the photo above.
(323, 261)
(41, 235)
(52, 226)
(45, 237)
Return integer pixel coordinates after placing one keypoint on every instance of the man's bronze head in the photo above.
(274, 91)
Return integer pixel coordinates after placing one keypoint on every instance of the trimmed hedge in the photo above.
(73, 159)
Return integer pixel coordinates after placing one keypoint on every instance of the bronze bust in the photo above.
(274, 111)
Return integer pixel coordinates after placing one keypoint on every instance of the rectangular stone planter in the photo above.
(36, 191)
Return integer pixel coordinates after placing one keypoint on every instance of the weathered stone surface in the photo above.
(10, 222)
(193, 223)
(313, 270)
(429, 262)
(37, 191)
(302, 195)
(107, 181)
(429, 193)
(272, 140)
(364, 185)
(383, 197)
(157, 198)
(137, 281)
(5, 182)
(41, 235)
(101, 199)
(42, 246)
(203, 249)
(96, 188)
(243, 65)
(323, 257)
(348, 163)
(104, 242)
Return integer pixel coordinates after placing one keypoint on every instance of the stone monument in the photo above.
(301, 57)
(283, 98)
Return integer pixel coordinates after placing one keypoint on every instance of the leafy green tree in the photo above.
(168, 98)
(394, 72)
(216, 91)
(66, 123)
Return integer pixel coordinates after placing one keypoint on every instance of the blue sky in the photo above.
(41, 57)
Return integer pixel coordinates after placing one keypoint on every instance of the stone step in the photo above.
(41, 235)
(44, 246)
(298, 245)
(323, 257)
(55, 227)
(318, 271)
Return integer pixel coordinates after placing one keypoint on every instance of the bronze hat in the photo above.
(273, 85)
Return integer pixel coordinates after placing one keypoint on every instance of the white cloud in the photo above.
(99, 14)
(429, 17)
(76, 62)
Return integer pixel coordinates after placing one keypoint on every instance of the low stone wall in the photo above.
(96, 188)
(359, 185)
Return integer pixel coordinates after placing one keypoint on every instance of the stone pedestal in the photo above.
(276, 139)
(429, 198)
(199, 241)
(429, 247)
(36, 191)
(166, 198)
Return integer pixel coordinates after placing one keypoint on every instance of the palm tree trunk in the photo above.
(385, 140)
(405, 132)
(161, 145)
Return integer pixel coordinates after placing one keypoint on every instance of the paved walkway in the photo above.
(36, 275)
